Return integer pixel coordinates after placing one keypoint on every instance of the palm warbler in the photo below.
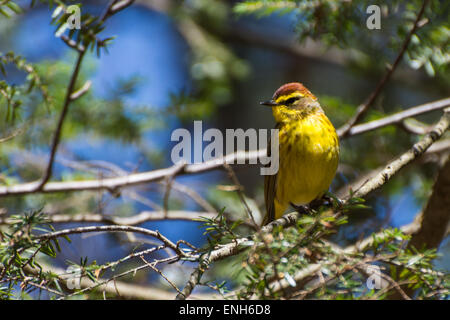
(308, 151)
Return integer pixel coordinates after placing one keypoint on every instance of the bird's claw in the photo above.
(327, 199)
(301, 209)
(333, 200)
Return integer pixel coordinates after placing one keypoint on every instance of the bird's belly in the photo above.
(307, 167)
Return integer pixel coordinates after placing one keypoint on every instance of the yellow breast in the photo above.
(309, 153)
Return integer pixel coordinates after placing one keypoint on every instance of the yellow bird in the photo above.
(308, 151)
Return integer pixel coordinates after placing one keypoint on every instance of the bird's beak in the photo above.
(269, 103)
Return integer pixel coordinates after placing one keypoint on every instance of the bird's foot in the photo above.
(301, 209)
(332, 200)
(327, 199)
(316, 203)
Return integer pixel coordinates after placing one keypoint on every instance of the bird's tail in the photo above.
(274, 211)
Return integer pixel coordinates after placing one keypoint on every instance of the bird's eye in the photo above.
(291, 100)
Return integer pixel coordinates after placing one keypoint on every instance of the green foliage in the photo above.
(218, 229)
(295, 251)
(85, 268)
(430, 47)
(290, 258)
(214, 67)
(343, 24)
(286, 251)
(88, 35)
(266, 7)
(19, 249)
(9, 8)
(13, 95)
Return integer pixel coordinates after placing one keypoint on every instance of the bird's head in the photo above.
(291, 101)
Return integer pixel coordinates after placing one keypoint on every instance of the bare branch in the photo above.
(151, 266)
(118, 6)
(134, 220)
(130, 291)
(440, 146)
(57, 134)
(113, 228)
(111, 184)
(398, 117)
(193, 195)
(12, 135)
(73, 44)
(415, 127)
(194, 278)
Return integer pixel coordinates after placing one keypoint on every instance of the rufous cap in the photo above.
(289, 88)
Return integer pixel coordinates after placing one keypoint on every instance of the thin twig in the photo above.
(57, 134)
(113, 228)
(195, 277)
(12, 135)
(151, 266)
(193, 195)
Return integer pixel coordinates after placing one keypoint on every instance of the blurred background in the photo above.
(173, 62)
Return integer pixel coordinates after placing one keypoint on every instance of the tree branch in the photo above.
(398, 117)
(112, 184)
(57, 134)
(138, 219)
(362, 109)
(436, 215)
(113, 228)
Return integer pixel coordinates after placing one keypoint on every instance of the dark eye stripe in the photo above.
(291, 100)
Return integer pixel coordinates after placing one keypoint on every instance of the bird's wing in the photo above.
(270, 186)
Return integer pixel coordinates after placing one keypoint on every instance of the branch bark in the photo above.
(113, 228)
(134, 220)
(62, 117)
(436, 215)
(398, 117)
